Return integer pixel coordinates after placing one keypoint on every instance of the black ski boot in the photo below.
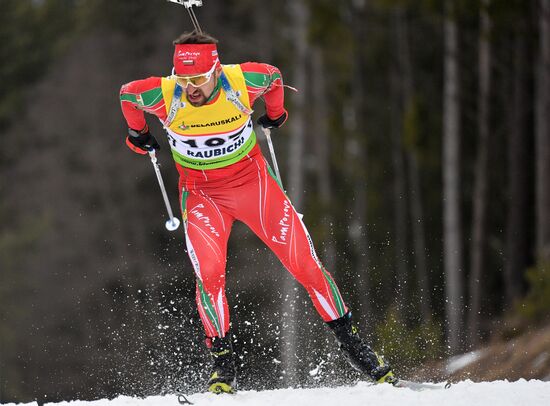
(223, 377)
(358, 353)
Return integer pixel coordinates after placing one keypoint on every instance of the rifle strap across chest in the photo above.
(174, 105)
(232, 96)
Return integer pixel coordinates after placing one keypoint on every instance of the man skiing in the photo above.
(205, 108)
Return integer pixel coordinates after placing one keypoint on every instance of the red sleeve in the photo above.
(142, 96)
(263, 80)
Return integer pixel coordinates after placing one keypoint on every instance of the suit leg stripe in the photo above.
(336, 298)
(209, 309)
(208, 326)
(326, 306)
(335, 293)
(221, 313)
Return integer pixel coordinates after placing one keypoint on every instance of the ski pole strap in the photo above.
(232, 96)
(174, 106)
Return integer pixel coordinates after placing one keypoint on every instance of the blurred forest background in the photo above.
(417, 147)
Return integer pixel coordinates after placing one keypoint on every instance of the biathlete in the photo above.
(205, 108)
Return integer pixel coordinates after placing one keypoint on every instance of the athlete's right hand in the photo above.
(141, 142)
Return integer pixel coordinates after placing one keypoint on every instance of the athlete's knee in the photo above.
(212, 279)
(310, 276)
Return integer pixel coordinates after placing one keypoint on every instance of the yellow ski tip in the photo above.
(388, 378)
(220, 387)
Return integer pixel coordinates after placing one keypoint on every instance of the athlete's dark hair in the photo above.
(195, 37)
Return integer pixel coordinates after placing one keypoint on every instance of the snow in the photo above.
(465, 393)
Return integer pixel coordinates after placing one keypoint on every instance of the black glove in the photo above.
(266, 122)
(141, 143)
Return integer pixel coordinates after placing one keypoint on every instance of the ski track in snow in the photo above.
(465, 393)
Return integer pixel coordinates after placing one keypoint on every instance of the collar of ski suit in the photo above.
(215, 93)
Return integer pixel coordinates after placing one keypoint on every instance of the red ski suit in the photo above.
(235, 184)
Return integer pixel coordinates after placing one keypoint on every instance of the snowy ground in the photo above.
(467, 393)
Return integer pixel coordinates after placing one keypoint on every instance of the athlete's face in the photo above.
(198, 95)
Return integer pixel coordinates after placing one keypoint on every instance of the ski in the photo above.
(400, 383)
(417, 386)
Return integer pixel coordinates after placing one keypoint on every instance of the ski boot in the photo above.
(223, 377)
(358, 353)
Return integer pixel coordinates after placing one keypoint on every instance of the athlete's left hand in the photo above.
(267, 122)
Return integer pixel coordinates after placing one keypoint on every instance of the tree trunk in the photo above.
(356, 150)
(479, 221)
(298, 123)
(452, 228)
(321, 144)
(543, 135)
(295, 181)
(400, 213)
(517, 232)
(415, 193)
(264, 30)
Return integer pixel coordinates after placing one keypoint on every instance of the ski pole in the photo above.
(189, 6)
(267, 133)
(172, 223)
